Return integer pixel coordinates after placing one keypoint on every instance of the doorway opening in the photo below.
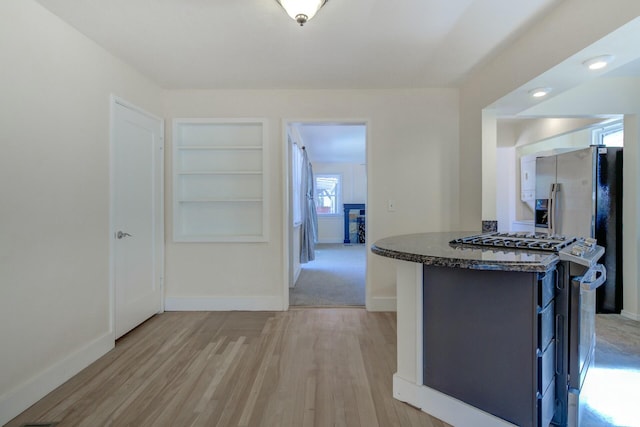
(326, 218)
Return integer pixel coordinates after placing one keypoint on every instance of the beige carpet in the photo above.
(335, 278)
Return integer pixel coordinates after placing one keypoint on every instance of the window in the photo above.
(328, 197)
(611, 135)
(614, 139)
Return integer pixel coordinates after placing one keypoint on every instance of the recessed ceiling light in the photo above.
(540, 92)
(301, 10)
(599, 62)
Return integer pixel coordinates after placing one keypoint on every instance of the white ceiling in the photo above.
(334, 142)
(350, 44)
(253, 44)
(622, 44)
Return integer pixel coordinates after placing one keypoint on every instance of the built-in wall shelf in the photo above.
(219, 180)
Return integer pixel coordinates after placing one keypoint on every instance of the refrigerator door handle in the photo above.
(551, 211)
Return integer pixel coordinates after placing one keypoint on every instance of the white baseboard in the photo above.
(330, 241)
(382, 304)
(266, 303)
(444, 407)
(630, 315)
(15, 401)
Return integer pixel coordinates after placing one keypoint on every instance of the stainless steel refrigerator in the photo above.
(579, 193)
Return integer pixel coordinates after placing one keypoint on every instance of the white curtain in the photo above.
(296, 178)
(309, 231)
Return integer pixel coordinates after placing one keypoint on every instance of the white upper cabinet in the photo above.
(527, 178)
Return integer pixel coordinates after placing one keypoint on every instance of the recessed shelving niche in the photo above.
(219, 180)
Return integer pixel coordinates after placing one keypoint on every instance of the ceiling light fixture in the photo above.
(301, 10)
(599, 62)
(540, 92)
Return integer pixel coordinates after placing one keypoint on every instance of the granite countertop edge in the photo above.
(438, 252)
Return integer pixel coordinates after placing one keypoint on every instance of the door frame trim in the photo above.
(287, 228)
(160, 257)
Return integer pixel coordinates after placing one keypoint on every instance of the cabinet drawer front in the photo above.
(546, 328)
(546, 367)
(546, 289)
(546, 406)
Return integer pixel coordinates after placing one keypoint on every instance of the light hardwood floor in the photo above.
(304, 367)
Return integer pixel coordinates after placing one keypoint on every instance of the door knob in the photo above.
(122, 234)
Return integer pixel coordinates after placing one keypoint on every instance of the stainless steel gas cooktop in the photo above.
(527, 241)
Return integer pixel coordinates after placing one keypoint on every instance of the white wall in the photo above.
(533, 130)
(508, 188)
(354, 190)
(330, 228)
(412, 158)
(578, 139)
(489, 164)
(54, 214)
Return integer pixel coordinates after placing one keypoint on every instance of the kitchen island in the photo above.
(475, 330)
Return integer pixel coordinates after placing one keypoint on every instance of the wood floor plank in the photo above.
(305, 367)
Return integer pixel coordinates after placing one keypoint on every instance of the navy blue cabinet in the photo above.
(354, 223)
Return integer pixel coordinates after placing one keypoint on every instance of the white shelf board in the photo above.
(221, 200)
(220, 173)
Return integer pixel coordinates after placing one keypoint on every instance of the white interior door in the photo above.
(137, 219)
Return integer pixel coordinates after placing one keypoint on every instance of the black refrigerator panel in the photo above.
(542, 213)
(587, 203)
(608, 226)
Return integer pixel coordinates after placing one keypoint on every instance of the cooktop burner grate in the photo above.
(528, 241)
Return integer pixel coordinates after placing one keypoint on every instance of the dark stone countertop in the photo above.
(435, 249)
